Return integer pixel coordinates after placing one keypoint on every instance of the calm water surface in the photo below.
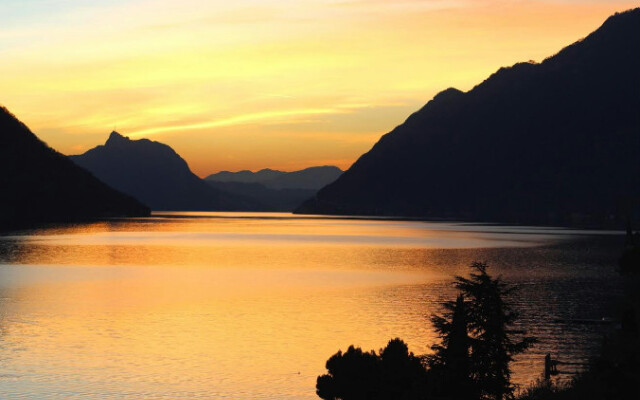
(250, 306)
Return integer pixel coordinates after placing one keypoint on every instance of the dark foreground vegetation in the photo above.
(477, 344)
(615, 372)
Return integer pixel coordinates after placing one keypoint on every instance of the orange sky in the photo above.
(251, 84)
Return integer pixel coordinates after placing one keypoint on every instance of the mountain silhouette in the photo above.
(41, 185)
(556, 142)
(273, 190)
(312, 178)
(155, 174)
(245, 176)
(265, 198)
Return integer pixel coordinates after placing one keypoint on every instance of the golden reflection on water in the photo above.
(188, 306)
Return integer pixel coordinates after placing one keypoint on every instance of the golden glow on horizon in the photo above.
(271, 83)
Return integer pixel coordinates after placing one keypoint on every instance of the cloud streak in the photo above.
(237, 120)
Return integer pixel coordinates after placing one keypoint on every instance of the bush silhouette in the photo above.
(477, 345)
(394, 373)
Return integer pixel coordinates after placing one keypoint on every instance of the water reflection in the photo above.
(236, 306)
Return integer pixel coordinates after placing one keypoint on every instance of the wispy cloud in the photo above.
(237, 120)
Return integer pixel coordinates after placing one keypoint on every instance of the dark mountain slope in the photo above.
(38, 184)
(154, 173)
(556, 142)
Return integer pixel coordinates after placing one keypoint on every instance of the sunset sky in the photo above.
(250, 84)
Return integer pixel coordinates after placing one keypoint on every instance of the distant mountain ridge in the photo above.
(275, 190)
(41, 185)
(550, 143)
(245, 176)
(155, 174)
(312, 178)
(266, 199)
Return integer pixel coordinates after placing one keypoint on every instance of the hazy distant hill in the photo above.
(275, 190)
(245, 176)
(556, 142)
(310, 178)
(38, 184)
(266, 199)
(155, 174)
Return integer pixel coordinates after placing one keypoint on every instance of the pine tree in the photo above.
(451, 357)
(478, 341)
(494, 342)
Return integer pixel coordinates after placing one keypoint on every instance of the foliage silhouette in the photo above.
(630, 260)
(471, 361)
(614, 373)
(451, 361)
(494, 342)
(394, 373)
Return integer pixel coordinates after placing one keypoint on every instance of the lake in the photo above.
(250, 306)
